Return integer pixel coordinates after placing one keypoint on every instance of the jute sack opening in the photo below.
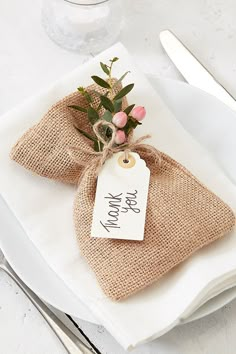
(182, 214)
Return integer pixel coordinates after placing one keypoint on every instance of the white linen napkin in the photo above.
(45, 209)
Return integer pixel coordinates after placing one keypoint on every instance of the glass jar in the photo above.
(86, 26)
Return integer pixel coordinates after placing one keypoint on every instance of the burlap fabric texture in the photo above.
(182, 215)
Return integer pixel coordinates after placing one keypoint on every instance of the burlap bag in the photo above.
(182, 215)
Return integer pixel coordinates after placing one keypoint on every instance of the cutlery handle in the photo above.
(70, 342)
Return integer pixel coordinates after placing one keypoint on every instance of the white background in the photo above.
(29, 61)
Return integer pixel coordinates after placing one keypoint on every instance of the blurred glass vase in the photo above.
(86, 26)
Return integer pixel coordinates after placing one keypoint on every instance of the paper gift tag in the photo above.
(121, 198)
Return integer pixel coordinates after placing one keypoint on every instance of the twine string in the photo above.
(109, 148)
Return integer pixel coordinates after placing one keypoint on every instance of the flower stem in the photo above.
(110, 76)
(99, 145)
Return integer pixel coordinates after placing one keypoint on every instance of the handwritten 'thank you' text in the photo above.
(118, 204)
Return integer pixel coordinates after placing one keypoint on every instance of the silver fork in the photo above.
(71, 343)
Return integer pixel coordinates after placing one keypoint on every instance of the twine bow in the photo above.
(109, 147)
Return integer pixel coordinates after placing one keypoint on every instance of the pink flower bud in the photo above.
(120, 137)
(120, 119)
(138, 113)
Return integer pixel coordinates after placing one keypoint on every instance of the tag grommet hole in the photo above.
(126, 162)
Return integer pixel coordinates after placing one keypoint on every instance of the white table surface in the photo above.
(29, 61)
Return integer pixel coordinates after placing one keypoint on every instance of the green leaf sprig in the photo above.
(111, 105)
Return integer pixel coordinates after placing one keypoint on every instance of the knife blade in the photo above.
(192, 70)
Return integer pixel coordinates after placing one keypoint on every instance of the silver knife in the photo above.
(192, 70)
